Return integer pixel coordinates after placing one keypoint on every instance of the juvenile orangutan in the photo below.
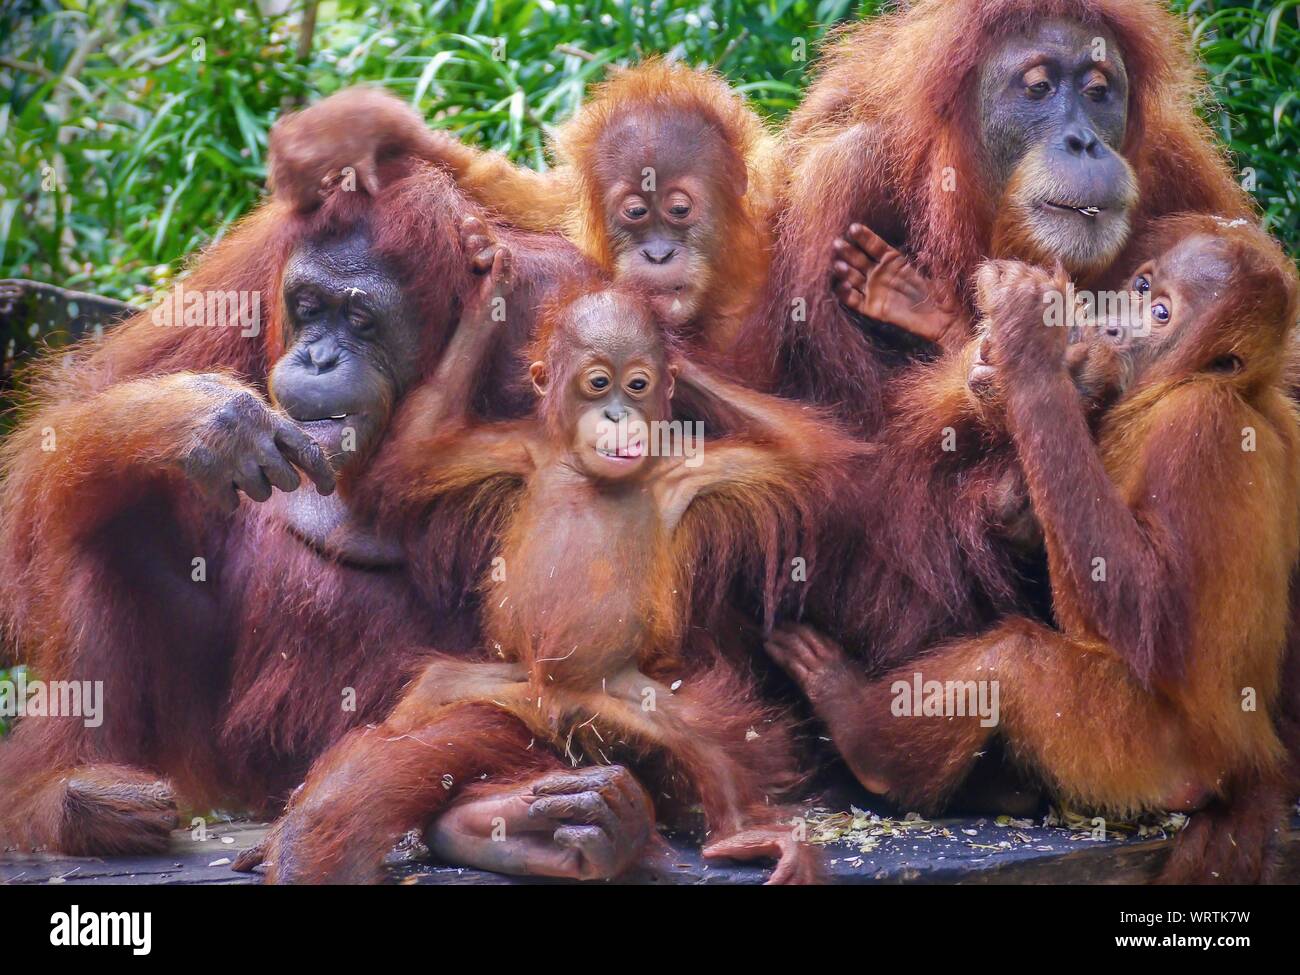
(587, 599)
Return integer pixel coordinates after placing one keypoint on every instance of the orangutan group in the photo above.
(539, 512)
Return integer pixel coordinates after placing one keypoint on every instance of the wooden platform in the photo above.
(985, 850)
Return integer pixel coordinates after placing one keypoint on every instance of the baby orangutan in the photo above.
(1171, 543)
(615, 510)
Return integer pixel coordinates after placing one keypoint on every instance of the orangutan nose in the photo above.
(660, 255)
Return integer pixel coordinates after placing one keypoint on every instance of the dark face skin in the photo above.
(1052, 119)
(660, 212)
(618, 383)
(353, 346)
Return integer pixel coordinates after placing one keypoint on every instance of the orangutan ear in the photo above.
(672, 380)
(541, 381)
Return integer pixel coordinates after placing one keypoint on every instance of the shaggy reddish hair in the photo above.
(893, 107)
(675, 90)
(869, 71)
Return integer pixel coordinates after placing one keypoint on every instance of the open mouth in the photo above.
(632, 451)
(1090, 212)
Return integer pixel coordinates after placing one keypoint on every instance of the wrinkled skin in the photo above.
(1052, 119)
(588, 824)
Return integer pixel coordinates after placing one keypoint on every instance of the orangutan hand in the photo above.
(876, 280)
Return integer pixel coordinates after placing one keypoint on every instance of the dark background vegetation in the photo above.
(121, 154)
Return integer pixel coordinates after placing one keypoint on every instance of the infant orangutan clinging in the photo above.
(1171, 542)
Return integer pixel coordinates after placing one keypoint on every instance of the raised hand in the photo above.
(876, 280)
(488, 257)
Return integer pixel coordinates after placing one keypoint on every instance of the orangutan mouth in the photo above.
(1088, 211)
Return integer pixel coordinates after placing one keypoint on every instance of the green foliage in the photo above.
(1252, 53)
(132, 131)
(148, 151)
(159, 139)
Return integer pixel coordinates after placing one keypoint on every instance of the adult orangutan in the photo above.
(665, 179)
(1172, 542)
(957, 130)
(239, 630)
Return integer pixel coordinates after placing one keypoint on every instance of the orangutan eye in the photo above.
(1038, 83)
(597, 382)
(639, 385)
(362, 324)
(1160, 312)
(1095, 85)
(1141, 285)
(634, 208)
(306, 305)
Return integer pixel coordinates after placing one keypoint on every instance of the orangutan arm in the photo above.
(355, 128)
